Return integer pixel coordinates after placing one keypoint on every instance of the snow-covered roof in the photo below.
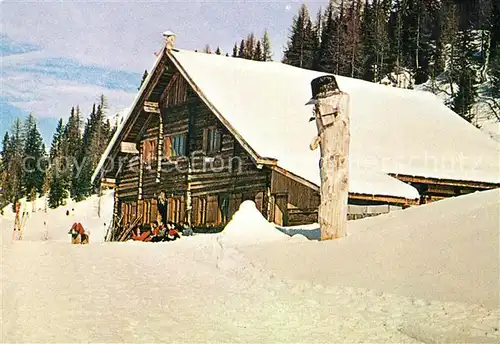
(393, 130)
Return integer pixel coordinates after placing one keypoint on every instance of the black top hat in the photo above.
(322, 85)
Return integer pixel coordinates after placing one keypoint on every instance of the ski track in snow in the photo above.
(200, 289)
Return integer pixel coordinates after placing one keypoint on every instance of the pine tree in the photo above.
(418, 31)
(258, 55)
(266, 47)
(57, 192)
(81, 186)
(494, 52)
(95, 139)
(4, 163)
(368, 34)
(327, 55)
(352, 41)
(464, 73)
(218, 52)
(317, 30)
(73, 137)
(242, 50)
(58, 169)
(340, 49)
(250, 45)
(235, 50)
(300, 47)
(495, 76)
(144, 76)
(438, 55)
(495, 29)
(5, 151)
(55, 148)
(46, 186)
(381, 10)
(34, 152)
(14, 186)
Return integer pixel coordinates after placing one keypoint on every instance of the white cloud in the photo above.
(51, 97)
(125, 34)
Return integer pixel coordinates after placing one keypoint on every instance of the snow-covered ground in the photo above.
(55, 224)
(428, 274)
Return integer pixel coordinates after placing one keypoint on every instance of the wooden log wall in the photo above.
(173, 172)
(231, 170)
(302, 202)
(218, 181)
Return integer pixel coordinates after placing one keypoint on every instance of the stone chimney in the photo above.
(169, 37)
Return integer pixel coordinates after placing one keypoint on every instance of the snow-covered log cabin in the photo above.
(207, 132)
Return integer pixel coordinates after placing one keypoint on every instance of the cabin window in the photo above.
(149, 150)
(212, 140)
(175, 146)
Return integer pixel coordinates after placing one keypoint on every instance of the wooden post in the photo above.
(139, 183)
(266, 203)
(189, 204)
(99, 204)
(332, 120)
(188, 217)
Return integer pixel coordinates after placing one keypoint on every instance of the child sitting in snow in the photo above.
(172, 232)
(78, 234)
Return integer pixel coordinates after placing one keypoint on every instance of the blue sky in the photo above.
(56, 54)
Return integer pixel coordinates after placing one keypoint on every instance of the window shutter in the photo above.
(148, 151)
(154, 210)
(154, 151)
(134, 209)
(212, 210)
(194, 212)
(167, 147)
(144, 150)
(124, 213)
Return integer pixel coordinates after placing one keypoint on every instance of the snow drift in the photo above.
(445, 251)
(248, 227)
(196, 290)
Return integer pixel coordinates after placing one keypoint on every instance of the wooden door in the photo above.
(281, 210)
